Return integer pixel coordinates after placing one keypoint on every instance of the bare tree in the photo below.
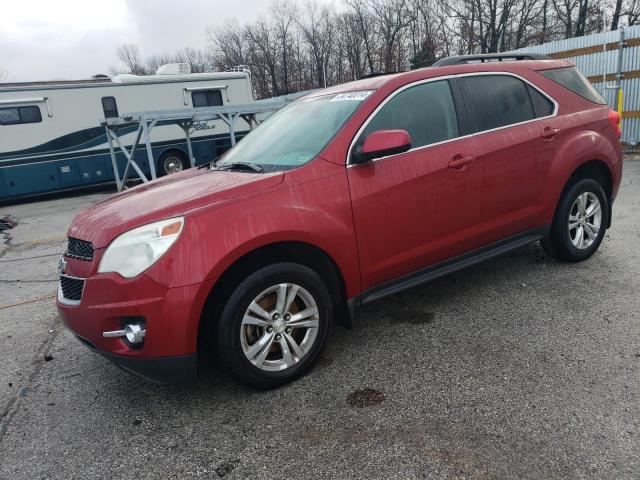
(284, 13)
(129, 54)
(296, 47)
(196, 59)
(264, 48)
(317, 32)
(617, 11)
(154, 62)
(365, 22)
(229, 45)
(392, 17)
(4, 75)
(633, 12)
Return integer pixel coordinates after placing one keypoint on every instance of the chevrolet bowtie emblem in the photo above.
(62, 265)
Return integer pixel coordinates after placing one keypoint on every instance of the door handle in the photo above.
(459, 161)
(549, 132)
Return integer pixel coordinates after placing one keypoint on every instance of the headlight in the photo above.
(134, 251)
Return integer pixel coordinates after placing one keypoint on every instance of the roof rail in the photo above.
(489, 57)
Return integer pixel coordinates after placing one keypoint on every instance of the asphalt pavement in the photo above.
(521, 367)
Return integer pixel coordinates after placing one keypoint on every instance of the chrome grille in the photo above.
(79, 249)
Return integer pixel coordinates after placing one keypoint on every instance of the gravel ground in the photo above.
(518, 368)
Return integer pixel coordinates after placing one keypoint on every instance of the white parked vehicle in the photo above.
(51, 138)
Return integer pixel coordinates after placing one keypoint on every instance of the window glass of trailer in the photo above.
(571, 78)
(425, 111)
(110, 107)
(18, 115)
(497, 101)
(206, 98)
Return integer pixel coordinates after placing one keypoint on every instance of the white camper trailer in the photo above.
(51, 138)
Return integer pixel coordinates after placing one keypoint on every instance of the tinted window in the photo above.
(542, 106)
(497, 101)
(16, 115)
(426, 111)
(207, 98)
(109, 107)
(9, 116)
(572, 79)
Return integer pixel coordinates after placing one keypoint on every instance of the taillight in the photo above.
(614, 118)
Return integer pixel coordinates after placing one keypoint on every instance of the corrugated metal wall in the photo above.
(606, 62)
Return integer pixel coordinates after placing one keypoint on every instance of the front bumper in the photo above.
(171, 316)
(162, 370)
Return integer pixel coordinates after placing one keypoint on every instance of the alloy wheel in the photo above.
(585, 220)
(279, 327)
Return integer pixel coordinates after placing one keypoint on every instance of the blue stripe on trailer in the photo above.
(48, 173)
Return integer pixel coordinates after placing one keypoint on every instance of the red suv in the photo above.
(345, 196)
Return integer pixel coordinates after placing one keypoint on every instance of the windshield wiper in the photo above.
(240, 166)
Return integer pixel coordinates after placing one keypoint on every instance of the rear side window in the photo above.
(497, 101)
(426, 111)
(542, 106)
(571, 78)
(18, 115)
(110, 107)
(206, 98)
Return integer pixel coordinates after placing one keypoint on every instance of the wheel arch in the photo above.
(598, 170)
(300, 252)
(585, 154)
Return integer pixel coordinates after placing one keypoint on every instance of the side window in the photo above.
(206, 98)
(426, 111)
(110, 107)
(542, 106)
(497, 101)
(571, 78)
(18, 115)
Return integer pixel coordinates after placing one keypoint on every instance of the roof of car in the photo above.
(377, 82)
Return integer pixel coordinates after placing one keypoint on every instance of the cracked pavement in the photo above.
(521, 367)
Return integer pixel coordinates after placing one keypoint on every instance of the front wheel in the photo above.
(579, 223)
(275, 325)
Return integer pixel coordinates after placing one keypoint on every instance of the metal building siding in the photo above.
(595, 64)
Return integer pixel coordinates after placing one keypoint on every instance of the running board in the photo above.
(449, 266)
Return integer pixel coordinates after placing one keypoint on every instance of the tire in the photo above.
(573, 237)
(171, 162)
(244, 334)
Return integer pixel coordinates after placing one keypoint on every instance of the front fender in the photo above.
(317, 212)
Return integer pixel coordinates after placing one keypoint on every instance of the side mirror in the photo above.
(382, 143)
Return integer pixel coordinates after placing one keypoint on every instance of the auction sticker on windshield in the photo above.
(352, 96)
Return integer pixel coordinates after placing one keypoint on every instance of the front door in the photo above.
(417, 208)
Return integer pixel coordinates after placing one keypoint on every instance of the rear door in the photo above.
(504, 113)
(416, 208)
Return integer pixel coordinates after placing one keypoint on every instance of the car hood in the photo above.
(173, 195)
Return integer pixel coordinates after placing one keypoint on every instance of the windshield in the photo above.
(296, 134)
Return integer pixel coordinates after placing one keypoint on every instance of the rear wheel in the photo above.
(171, 162)
(275, 325)
(579, 223)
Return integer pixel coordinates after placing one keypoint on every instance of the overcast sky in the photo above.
(45, 39)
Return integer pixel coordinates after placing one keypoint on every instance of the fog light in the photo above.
(133, 332)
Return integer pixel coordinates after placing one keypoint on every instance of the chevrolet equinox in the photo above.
(342, 197)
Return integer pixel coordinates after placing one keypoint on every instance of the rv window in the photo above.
(206, 98)
(110, 107)
(17, 115)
